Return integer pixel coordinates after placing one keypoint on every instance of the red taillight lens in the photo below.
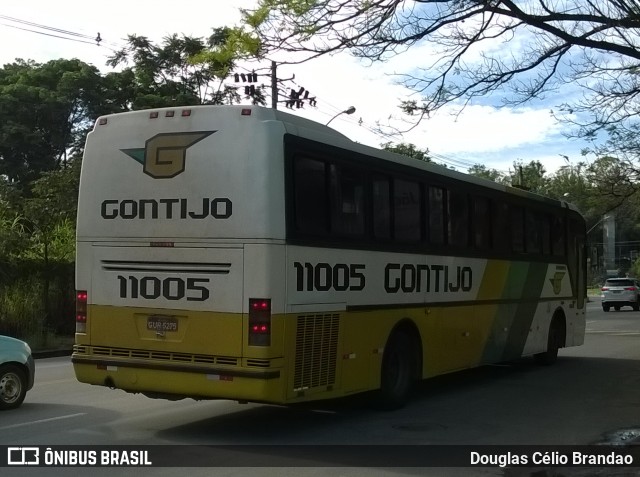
(604, 288)
(259, 321)
(630, 289)
(81, 311)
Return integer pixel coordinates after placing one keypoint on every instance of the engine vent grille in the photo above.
(316, 351)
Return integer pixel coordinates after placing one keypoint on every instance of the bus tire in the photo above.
(397, 372)
(555, 341)
(13, 386)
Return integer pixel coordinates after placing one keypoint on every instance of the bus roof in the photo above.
(313, 130)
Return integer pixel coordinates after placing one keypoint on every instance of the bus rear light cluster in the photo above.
(170, 114)
(259, 321)
(81, 311)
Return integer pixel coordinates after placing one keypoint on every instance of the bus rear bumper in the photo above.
(176, 381)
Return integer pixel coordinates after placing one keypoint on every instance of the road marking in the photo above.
(41, 421)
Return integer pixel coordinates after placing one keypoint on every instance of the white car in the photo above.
(619, 292)
(17, 372)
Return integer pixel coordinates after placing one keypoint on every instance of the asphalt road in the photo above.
(589, 396)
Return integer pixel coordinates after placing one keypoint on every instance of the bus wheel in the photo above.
(397, 372)
(555, 341)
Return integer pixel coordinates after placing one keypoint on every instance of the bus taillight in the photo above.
(81, 311)
(259, 321)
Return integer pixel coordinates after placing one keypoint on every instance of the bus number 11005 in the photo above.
(325, 277)
(173, 288)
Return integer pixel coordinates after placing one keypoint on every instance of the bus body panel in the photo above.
(181, 226)
(130, 190)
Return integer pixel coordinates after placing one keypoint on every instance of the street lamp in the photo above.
(349, 110)
(604, 217)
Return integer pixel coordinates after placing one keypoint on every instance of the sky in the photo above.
(482, 134)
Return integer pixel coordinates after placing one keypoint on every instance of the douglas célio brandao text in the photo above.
(574, 458)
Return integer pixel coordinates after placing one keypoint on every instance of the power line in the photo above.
(57, 32)
(49, 34)
(46, 27)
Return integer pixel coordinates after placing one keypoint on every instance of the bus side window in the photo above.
(558, 236)
(545, 231)
(407, 200)
(481, 223)
(347, 201)
(310, 196)
(458, 226)
(532, 231)
(516, 219)
(381, 203)
(500, 223)
(436, 215)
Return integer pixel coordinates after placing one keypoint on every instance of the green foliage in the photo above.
(45, 112)
(634, 271)
(480, 170)
(182, 70)
(20, 308)
(410, 150)
(529, 176)
(37, 301)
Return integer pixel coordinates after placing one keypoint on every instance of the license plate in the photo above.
(162, 323)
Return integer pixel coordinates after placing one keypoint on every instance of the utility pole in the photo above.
(253, 78)
(274, 86)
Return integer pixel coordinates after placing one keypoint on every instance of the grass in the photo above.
(594, 291)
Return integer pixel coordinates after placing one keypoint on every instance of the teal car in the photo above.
(17, 372)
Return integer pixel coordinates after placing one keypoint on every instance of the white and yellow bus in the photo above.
(248, 254)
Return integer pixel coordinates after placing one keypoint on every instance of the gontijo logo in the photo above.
(164, 155)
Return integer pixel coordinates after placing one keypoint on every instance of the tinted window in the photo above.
(620, 282)
(310, 196)
(436, 215)
(558, 236)
(500, 223)
(458, 228)
(545, 232)
(532, 232)
(516, 217)
(381, 198)
(347, 201)
(406, 199)
(481, 223)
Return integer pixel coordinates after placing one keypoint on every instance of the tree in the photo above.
(45, 113)
(614, 179)
(480, 170)
(594, 45)
(181, 71)
(530, 176)
(409, 150)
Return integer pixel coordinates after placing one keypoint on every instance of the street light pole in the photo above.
(604, 217)
(349, 110)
